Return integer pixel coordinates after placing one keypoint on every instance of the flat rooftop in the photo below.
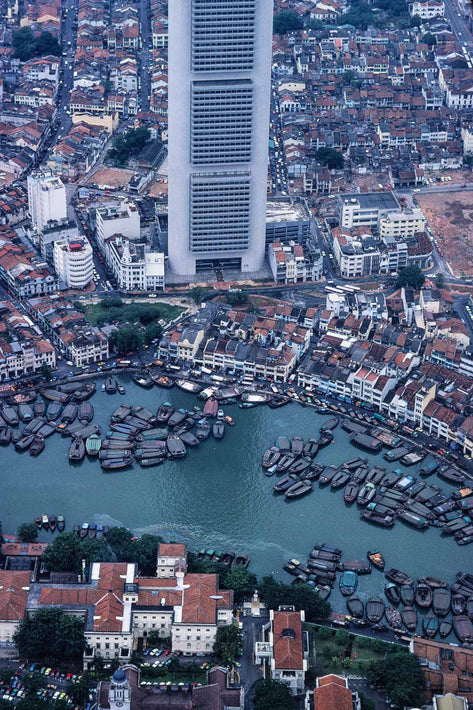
(286, 212)
(372, 200)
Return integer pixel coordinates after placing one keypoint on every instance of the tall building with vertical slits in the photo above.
(219, 103)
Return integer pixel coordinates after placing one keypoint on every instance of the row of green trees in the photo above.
(128, 145)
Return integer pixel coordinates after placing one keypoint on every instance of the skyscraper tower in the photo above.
(219, 103)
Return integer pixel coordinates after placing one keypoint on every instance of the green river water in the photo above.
(218, 497)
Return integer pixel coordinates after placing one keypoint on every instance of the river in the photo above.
(218, 497)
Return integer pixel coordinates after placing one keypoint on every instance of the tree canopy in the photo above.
(412, 277)
(125, 339)
(50, 633)
(286, 21)
(274, 594)
(241, 580)
(401, 675)
(63, 554)
(26, 45)
(236, 298)
(273, 695)
(228, 645)
(330, 157)
(125, 146)
(27, 532)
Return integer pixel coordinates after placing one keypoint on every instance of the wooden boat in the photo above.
(110, 385)
(376, 559)
(203, 429)
(445, 627)
(45, 522)
(229, 420)
(469, 607)
(407, 594)
(325, 439)
(77, 450)
(328, 548)
(297, 444)
(298, 489)
(327, 475)
(93, 444)
(392, 592)
(39, 408)
(61, 523)
(5, 435)
(409, 618)
(300, 465)
(271, 456)
(177, 418)
(285, 483)
(10, 415)
(283, 443)
(116, 464)
(423, 595)
(276, 402)
(84, 530)
(227, 558)
(463, 628)
(398, 577)
(310, 448)
(383, 520)
(142, 380)
(38, 522)
(175, 446)
(351, 492)
(441, 601)
(366, 494)
(55, 396)
(69, 413)
(121, 389)
(241, 561)
(324, 555)
(375, 609)
(348, 583)
(25, 412)
(329, 424)
(340, 479)
(430, 625)
(189, 439)
(356, 607)
(458, 604)
(285, 462)
(37, 445)
(393, 617)
(210, 408)
(52, 522)
(368, 443)
(122, 412)
(353, 464)
(218, 430)
(24, 443)
(358, 566)
(85, 412)
(53, 411)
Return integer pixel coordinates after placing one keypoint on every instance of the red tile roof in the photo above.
(332, 694)
(171, 550)
(287, 648)
(13, 595)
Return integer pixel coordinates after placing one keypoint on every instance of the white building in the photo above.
(283, 647)
(365, 209)
(219, 99)
(74, 262)
(46, 199)
(121, 219)
(402, 224)
(467, 138)
(135, 267)
(427, 9)
(291, 263)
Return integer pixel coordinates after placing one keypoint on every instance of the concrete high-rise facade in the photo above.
(219, 103)
(46, 199)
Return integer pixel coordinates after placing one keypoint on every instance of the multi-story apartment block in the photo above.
(292, 263)
(74, 262)
(219, 96)
(134, 265)
(46, 199)
(121, 219)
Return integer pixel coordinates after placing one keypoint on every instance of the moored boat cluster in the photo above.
(384, 496)
(429, 607)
